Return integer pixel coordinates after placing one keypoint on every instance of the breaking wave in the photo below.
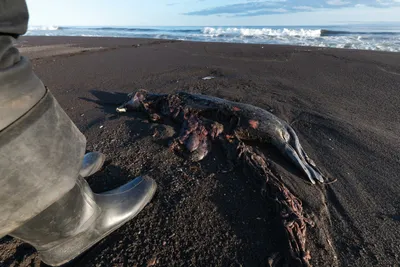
(249, 32)
(338, 33)
(371, 37)
(43, 28)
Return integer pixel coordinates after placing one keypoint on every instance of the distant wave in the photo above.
(251, 32)
(334, 33)
(188, 31)
(129, 29)
(119, 29)
(372, 38)
(106, 29)
(43, 28)
(220, 31)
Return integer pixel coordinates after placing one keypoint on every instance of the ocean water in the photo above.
(382, 37)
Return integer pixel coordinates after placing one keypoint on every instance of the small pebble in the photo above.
(101, 126)
(152, 262)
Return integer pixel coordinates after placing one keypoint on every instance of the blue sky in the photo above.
(210, 12)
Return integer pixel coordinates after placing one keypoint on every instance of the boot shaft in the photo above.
(40, 159)
(71, 215)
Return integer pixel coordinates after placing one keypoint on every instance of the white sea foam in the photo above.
(249, 32)
(43, 28)
(350, 37)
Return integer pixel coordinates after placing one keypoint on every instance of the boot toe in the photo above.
(125, 202)
(92, 163)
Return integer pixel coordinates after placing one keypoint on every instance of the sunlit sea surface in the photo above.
(382, 37)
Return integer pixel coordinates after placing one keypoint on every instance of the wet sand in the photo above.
(343, 104)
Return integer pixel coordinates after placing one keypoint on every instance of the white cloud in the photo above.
(387, 2)
(304, 7)
(262, 12)
(338, 2)
(280, 10)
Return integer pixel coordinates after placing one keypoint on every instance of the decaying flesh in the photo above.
(206, 119)
(249, 123)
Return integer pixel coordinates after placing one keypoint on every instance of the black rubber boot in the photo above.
(92, 162)
(81, 218)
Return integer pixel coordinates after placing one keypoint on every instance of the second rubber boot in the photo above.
(92, 162)
(81, 218)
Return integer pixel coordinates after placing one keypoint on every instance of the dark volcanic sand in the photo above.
(343, 104)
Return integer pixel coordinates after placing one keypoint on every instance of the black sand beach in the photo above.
(343, 104)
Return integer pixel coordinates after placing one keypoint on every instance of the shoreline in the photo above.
(374, 37)
(342, 103)
(120, 41)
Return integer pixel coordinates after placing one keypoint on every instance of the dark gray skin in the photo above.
(258, 124)
(247, 122)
